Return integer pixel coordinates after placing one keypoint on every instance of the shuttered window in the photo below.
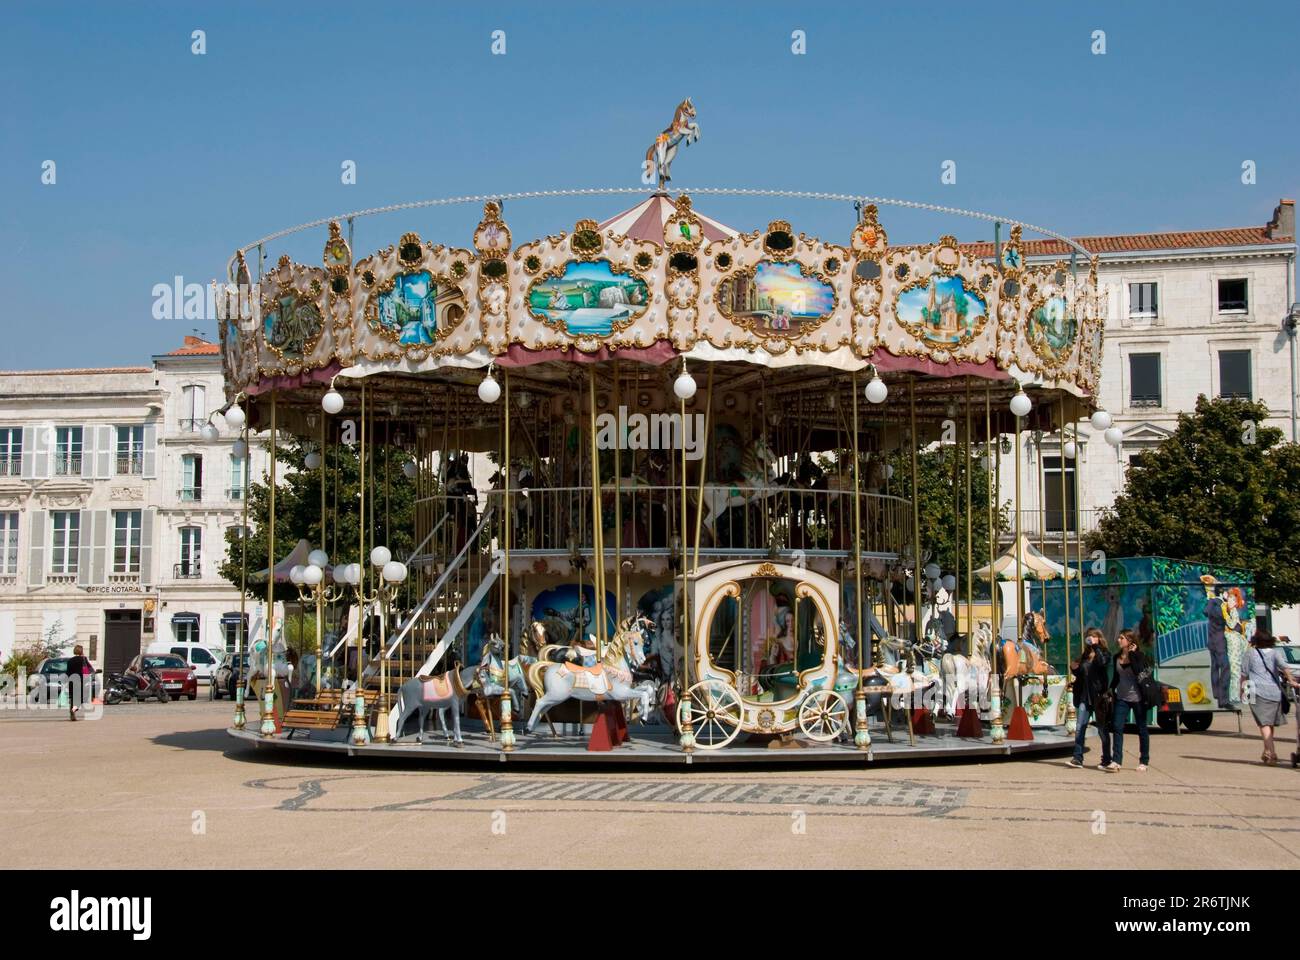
(64, 549)
(9, 543)
(126, 541)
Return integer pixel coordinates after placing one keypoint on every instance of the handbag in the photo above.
(1152, 695)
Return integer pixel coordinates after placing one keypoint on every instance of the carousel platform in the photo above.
(657, 746)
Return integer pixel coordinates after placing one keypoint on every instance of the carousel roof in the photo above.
(646, 221)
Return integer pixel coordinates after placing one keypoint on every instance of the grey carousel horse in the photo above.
(443, 692)
(610, 679)
(965, 680)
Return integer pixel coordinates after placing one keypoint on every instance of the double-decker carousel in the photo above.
(702, 537)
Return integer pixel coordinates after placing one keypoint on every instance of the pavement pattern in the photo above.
(162, 785)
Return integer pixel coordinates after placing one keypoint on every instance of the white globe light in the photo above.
(239, 449)
(295, 573)
(380, 556)
(1071, 449)
(1021, 404)
(209, 432)
(684, 386)
(410, 469)
(1114, 436)
(332, 402)
(235, 417)
(950, 583)
(877, 392)
(394, 571)
(340, 573)
(931, 571)
(311, 461)
(1100, 420)
(312, 575)
(489, 391)
(319, 558)
(354, 573)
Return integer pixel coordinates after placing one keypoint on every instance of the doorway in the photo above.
(121, 639)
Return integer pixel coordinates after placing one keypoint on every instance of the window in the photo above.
(1232, 296)
(1059, 514)
(1234, 373)
(191, 553)
(191, 478)
(130, 450)
(11, 451)
(126, 541)
(1142, 300)
(1144, 379)
(238, 479)
(194, 408)
(67, 451)
(8, 543)
(67, 538)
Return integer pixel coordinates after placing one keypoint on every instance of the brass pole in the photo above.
(994, 458)
(319, 589)
(704, 460)
(362, 560)
(618, 498)
(240, 718)
(686, 616)
(916, 517)
(597, 541)
(857, 532)
(1078, 543)
(1020, 574)
(1065, 535)
(268, 699)
(970, 538)
(506, 519)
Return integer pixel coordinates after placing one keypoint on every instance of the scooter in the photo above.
(135, 686)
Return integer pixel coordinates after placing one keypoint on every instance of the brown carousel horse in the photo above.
(1021, 659)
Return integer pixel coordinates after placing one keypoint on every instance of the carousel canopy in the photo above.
(1034, 565)
(294, 558)
(647, 220)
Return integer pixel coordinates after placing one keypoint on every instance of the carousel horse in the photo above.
(756, 483)
(422, 694)
(683, 129)
(965, 679)
(610, 679)
(1021, 658)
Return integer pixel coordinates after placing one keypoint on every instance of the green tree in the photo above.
(298, 513)
(1223, 489)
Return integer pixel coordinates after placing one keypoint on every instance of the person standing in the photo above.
(1092, 697)
(1264, 685)
(1127, 686)
(76, 678)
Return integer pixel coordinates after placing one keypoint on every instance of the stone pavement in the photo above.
(162, 785)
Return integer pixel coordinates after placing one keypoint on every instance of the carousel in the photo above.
(661, 479)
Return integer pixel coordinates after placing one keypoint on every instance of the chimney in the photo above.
(1282, 226)
(199, 341)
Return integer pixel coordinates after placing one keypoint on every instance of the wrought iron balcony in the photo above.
(67, 465)
(189, 494)
(187, 571)
(11, 466)
(130, 464)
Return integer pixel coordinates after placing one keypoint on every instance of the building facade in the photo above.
(114, 507)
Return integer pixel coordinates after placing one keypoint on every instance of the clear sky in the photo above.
(166, 161)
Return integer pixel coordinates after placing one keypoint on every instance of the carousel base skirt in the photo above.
(658, 746)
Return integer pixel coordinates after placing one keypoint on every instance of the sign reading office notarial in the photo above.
(655, 431)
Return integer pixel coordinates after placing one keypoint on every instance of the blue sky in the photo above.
(166, 161)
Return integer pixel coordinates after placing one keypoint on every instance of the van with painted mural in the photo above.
(1195, 618)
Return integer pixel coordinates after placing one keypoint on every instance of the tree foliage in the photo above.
(298, 512)
(1223, 489)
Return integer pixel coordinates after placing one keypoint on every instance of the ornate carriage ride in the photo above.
(650, 459)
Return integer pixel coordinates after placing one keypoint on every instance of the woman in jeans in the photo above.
(1128, 699)
(1264, 680)
(1092, 699)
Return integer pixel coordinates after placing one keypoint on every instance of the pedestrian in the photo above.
(1127, 683)
(1265, 683)
(1092, 696)
(76, 677)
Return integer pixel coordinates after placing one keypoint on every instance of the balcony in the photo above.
(1049, 526)
(11, 466)
(192, 570)
(189, 494)
(1145, 402)
(192, 426)
(67, 465)
(63, 578)
(130, 465)
(237, 493)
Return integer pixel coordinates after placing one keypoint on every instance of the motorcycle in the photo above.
(142, 686)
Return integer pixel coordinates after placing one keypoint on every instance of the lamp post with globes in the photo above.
(391, 575)
(310, 581)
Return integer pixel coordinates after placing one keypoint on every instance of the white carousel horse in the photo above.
(611, 679)
(659, 157)
(966, 679)
(422, 694)
(756, 471)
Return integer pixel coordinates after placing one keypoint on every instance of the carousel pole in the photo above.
(268, 697)
(241, 718)
(597, 535)
(507, 721)
(704, 460)
(1071, 716)
(970, 538)
(1078, 547)
(1020, 573)
(320, 592)
(916, 517)
(996, 732)
(861, 735)
(360, 730)
(618, 499)
(687, 733)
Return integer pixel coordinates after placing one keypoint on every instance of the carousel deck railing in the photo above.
(737, 520)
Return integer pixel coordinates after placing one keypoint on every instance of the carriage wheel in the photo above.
(716, 712)
(823, 715)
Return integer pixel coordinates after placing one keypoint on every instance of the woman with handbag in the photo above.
(76, 680)
(1265, 684)
(1092, 699)
(1128, 684)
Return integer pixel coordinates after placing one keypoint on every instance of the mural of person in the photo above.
(1234, 633)
(1216, 642)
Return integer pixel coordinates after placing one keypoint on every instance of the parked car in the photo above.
(177, 676)
(202, 658)
(50, 676)
(1290, 658)
(225, 679)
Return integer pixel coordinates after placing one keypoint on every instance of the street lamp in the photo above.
(391, 575)
(311, 584)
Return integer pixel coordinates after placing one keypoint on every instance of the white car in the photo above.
(203, 659)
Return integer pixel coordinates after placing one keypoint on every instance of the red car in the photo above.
(177, 676)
